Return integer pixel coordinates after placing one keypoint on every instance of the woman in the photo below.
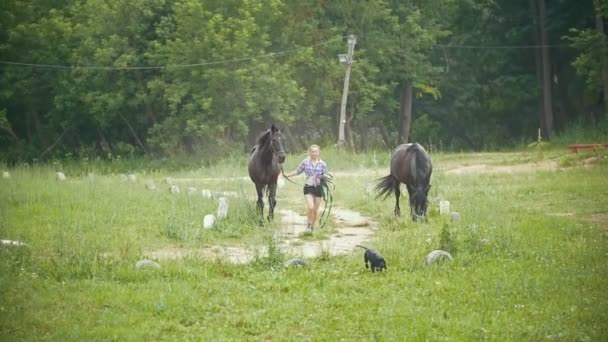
(314, 168)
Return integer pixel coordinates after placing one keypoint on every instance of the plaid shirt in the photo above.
(313, 172)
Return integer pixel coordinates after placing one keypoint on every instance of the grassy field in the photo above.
(529, 256)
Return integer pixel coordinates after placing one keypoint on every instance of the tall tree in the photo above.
(547, 124)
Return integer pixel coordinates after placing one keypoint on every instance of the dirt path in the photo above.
(352, 229)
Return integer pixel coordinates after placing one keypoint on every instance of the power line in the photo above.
(171, 66)
(488, 47)
(269, 55)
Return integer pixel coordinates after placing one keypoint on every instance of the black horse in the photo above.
(410, 165)
(265, 161)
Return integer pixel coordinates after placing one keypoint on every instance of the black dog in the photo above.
(375, 260)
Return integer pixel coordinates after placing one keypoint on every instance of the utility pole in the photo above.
(348, 61)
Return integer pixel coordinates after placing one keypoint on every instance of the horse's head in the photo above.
(276, 143)
(419, 201)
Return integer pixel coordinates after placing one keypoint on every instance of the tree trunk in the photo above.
(405, 112)
(364, 129)
(348, 131)
(133, 134)
(539, 66)
(546, 59)
(599, 26)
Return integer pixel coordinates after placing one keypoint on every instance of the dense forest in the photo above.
(172, 78)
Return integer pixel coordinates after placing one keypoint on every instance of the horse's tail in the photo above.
(385, 186)
(362, 247)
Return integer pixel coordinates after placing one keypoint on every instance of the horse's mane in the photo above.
(420, 163)
(262, 138)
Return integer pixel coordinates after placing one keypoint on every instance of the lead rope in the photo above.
(327, 186)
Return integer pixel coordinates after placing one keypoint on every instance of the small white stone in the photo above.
(132, 178)
(437, 255)
(174, 189)
(60, 176)
(5, 174)
(209, 221)
(12, 243)
(151, 186)
(295, 263)
(454, 216)
(222, 208)
(144, 263)
(206, 193)
(444, 207)
(369, 189)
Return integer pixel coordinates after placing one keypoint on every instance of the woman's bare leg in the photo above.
(310, 207)
(317, 204)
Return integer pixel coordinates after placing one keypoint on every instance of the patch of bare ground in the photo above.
(352, 229)
(601, 220)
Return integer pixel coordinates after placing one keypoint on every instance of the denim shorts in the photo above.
(316, 191)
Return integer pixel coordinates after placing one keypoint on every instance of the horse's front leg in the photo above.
(412, 206)
(397, 195)
(260, 202)
(272, 202)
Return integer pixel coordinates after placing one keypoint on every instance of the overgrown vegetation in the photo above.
(529, 257)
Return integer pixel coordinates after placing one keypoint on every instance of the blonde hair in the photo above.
(313, 146)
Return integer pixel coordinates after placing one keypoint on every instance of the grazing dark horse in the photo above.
(410, 165)
(265, 161)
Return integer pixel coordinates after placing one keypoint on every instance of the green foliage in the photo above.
(186, 78)
(447, 240)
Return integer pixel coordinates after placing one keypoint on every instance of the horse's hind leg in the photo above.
(272, 202)
(397, 195)
(260, 202)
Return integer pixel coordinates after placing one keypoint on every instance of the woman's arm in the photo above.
(296, 171)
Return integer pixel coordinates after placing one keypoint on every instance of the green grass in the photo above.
(529, 263)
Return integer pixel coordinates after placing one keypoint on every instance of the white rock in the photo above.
(12, 243)
(174, 189)
(144, 263)
(369, 189)
(132, 178)
(208, 221)
(168, 180)
(229, 193)
(206, 193)
(60, 176)
(436, 256)
(5, 174)
(151, 186)
(444, 207)
(91, 176)
(222, 208)
(454, 216)
(295, 263)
